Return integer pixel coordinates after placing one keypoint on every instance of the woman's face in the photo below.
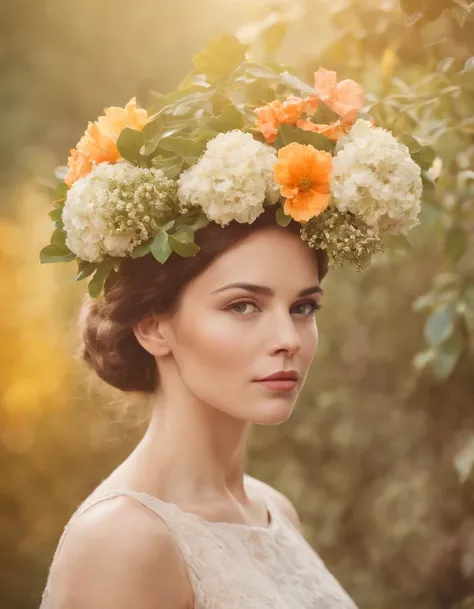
(224, 338)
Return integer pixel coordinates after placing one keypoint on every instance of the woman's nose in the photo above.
(285, 334)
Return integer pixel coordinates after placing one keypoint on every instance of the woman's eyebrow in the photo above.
(260, 289)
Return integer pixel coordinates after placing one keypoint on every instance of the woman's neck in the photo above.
(192, 453)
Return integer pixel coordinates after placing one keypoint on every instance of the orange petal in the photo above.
(306, 205)
(267, 121)
(349, 119)
(310, 104)
(79, 166)
(292, 109)
(333, 132)
(325, 82)
(288, 193)
(281, 174)
(116, 119)
(348, 97)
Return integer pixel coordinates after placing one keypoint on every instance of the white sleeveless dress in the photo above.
(238, 566)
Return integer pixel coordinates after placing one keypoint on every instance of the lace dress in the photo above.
(238, 566)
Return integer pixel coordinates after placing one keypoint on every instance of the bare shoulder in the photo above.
(116, 555)
(280, 500)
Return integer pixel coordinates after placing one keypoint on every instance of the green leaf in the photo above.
(189, 105)
(171, 166)
(193, 219)
(412, 143)
(232, 118)
(61, 190)
(141, 250)
(59, 238)
(166, 227)
(257, 93)
(258, 71)
(200, 222)
(190, 149)
(220, 57)
(85, 269)
(160, 247)
(440, 324)
(297, 84)
(56, 253)
(288, 134)
(56, 214)
(184, 233)
(97, 282)
(194, 78)
(447, 356)
(182, 241)
(182, 246)
(325, 116)
(152, 137)
(153, 127)
(318, 141)
(456, 243)
(129, 143)
(424, 157)
(281, 218)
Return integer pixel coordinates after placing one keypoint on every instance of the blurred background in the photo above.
(378, 456)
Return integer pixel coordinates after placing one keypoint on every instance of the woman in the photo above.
(212, 282)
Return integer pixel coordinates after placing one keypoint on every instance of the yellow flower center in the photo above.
(305, 184)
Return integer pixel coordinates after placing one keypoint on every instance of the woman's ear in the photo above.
(149, 333)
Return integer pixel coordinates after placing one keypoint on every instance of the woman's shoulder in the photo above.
(119, 554)
(278, 498)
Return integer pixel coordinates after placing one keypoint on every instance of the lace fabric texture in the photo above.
(236, 566)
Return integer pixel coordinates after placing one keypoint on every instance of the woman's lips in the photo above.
(279, 385)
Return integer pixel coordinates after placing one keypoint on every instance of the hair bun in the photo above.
(112, 350)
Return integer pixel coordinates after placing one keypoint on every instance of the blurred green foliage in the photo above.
(378, 457)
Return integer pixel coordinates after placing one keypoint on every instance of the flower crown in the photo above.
(143, 182)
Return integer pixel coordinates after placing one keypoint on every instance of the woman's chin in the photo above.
(272, 412)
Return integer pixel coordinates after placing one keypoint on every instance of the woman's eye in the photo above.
(311, 307)
(242, 304)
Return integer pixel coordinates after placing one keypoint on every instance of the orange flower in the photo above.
(79, 165)
(116, 119)
(333, 132)
(303, 174)
(277, 113)
(99, 142)
(268, 120)
(342, 97)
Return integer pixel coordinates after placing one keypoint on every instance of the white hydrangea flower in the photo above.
(375, 178)
(116, 208)
(231, 180)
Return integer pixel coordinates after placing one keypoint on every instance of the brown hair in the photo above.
(143, 286)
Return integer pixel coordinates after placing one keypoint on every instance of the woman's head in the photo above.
(175, 324)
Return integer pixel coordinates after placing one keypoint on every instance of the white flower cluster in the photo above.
(375, 178)
(232, 179)
(116, 208)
